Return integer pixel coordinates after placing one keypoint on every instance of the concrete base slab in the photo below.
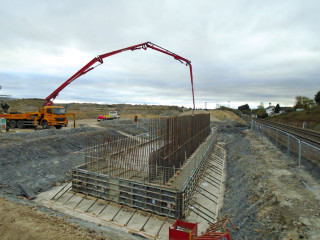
(204, 204)
(69, 204)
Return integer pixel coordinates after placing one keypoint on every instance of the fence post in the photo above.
(299, 157)
(277, 138)
(288, 147)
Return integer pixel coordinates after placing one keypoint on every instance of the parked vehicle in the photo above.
(47, 116)
(112, 115)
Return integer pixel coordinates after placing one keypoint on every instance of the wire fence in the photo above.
(302, 157)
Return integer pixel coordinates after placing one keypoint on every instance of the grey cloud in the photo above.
(241, 51)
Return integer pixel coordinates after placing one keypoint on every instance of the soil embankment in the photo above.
(41, 158)
(264, 196)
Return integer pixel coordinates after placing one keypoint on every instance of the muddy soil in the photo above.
(264, 196)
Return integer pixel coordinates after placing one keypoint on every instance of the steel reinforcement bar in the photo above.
(135, 171)
(160, 200)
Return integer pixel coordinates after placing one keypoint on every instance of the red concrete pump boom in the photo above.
(89, 67)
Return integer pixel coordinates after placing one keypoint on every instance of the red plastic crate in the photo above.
(183, 231)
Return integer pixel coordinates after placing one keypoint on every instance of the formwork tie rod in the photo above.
(215, 158)
(61, 190)
(200, 215)
(207, 191)
(165, 220)
(70, 198)
(108, 204)
(142, 229)
(215, 171)
(214, 166)
(206, 208)
(212, 176)
(131, 217)
(63, 193)
(117, 213)
(207, 180)
(212, 182)
(217, 162)
(204, 213)
(96, 201)
(207, 197)
(80, 201)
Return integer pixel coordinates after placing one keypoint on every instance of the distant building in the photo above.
(270, 110)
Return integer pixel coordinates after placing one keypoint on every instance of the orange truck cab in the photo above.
(47, 116)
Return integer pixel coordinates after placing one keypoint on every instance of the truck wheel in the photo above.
(20, 124)
(58, 127)
(13, 124)
(45, 125)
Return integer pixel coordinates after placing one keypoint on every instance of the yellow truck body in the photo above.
(47, 116)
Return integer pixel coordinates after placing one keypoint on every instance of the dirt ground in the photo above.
(264, 196)
(26, 222)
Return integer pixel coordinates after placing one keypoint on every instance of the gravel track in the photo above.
(127, 126)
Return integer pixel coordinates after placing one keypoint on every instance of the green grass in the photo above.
(310, 116)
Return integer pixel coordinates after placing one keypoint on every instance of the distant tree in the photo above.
(277, 109)
(245, 109)
(317, 98)
(261, 112)
(303, 102)
(261, 106)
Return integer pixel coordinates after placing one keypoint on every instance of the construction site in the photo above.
(126, 179)
(160, 172)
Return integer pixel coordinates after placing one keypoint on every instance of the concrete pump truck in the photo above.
(55, 115)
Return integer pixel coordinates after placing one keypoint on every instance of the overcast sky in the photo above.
(241, 51)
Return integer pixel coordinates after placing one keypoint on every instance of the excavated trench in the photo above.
(41, 159)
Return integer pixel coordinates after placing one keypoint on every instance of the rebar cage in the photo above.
(137, 171)
(152, 157)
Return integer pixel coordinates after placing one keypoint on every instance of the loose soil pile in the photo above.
(41, 158)
(25, 222)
